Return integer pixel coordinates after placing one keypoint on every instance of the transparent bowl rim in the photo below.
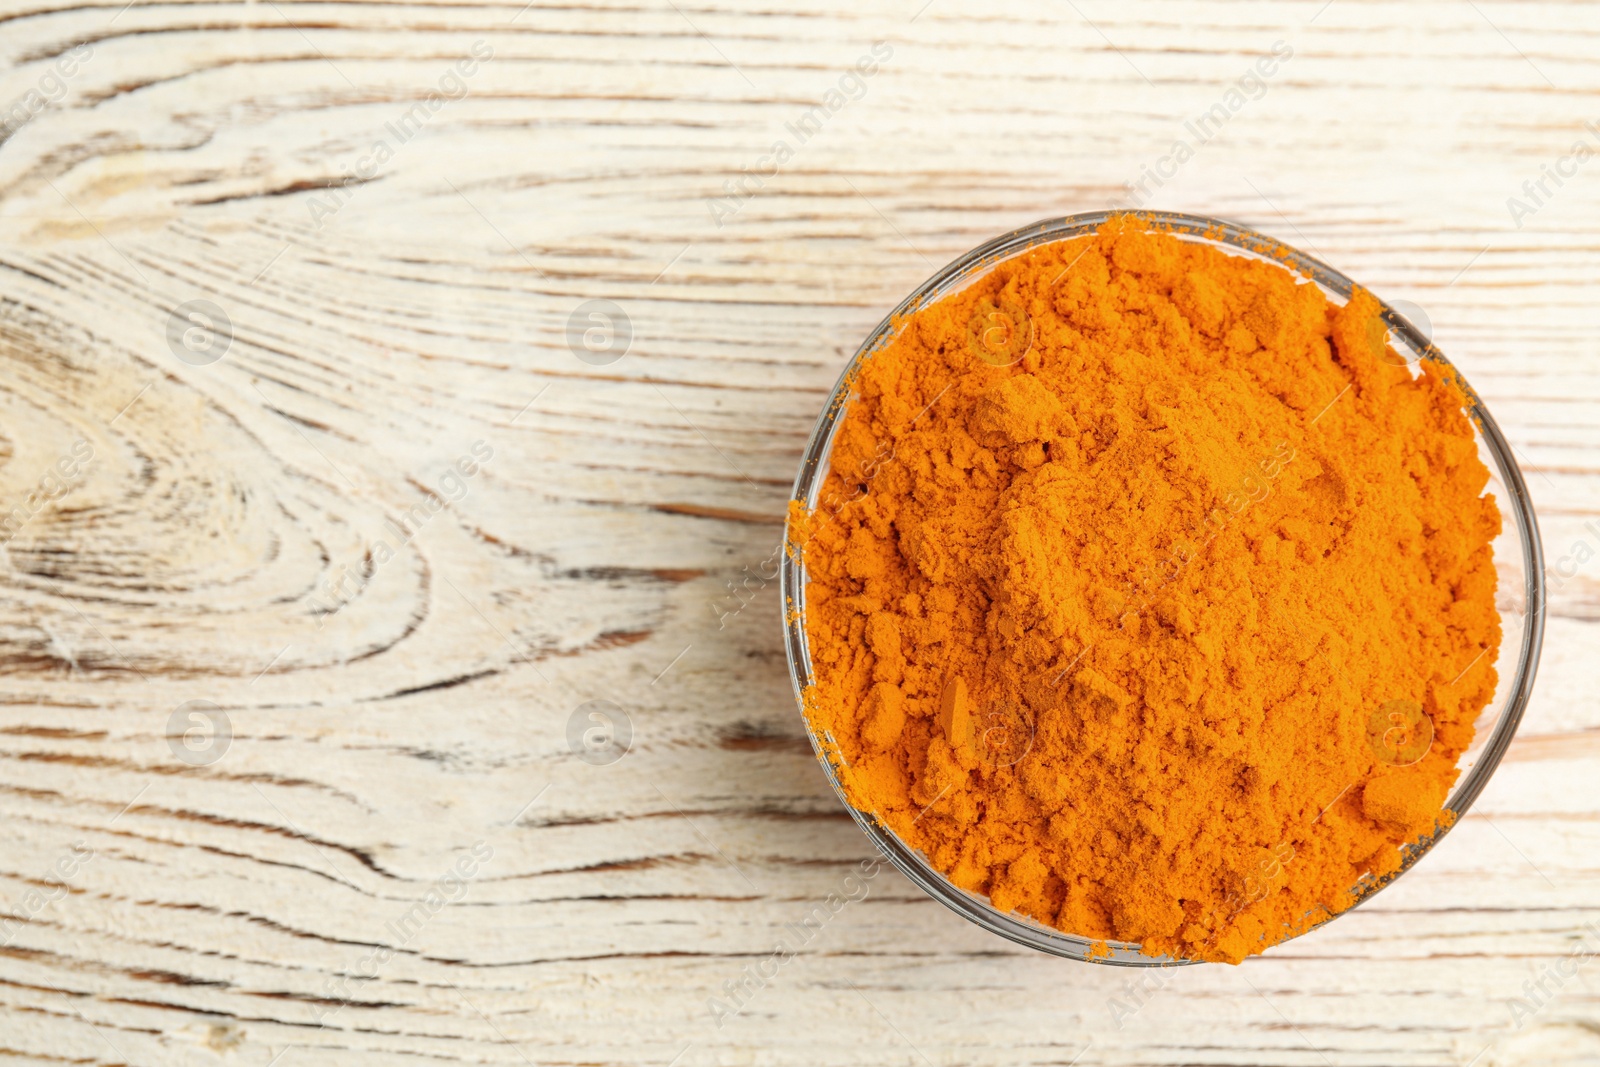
(968, 268)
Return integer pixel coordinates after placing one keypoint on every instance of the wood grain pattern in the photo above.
(401, 718)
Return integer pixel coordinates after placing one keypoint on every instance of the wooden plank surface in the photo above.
(395, 857)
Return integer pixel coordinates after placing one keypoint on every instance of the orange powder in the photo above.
(1151, 595)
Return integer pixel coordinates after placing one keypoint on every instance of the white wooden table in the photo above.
(395, 857)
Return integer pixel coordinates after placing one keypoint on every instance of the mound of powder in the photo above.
(1150, 594)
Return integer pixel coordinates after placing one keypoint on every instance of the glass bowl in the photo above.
(1518, 558)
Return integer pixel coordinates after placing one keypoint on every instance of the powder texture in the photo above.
(1150, 594)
